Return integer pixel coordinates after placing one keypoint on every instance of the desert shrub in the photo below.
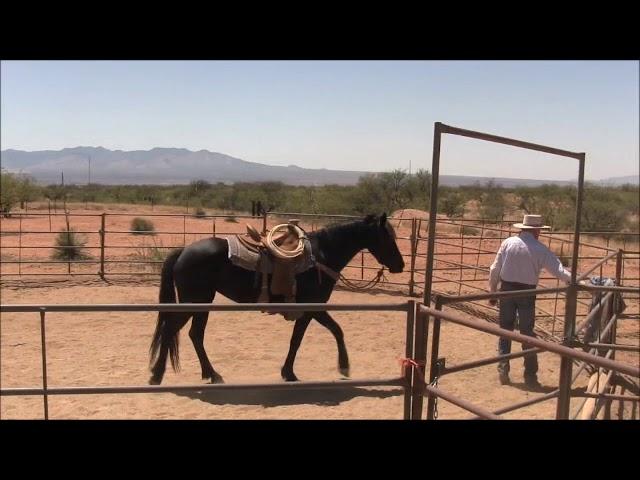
(154, 253)
(69, 245)
(142, 226)
(471, 231)
(452, 204)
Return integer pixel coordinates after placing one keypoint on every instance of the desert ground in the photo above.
(110, 349)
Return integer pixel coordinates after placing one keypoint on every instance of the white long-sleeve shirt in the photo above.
(520, 259)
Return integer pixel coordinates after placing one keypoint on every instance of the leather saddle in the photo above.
(283, 251)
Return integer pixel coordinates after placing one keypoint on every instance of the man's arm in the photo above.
(495, 269)
(553, 265)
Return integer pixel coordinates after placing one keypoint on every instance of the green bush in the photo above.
(452, 204)
(69, 245)
(142, 226)
(470, 231)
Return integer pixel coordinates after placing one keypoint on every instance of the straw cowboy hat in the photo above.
(531, 222)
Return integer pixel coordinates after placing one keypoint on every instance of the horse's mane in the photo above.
(339, 228)
(336, 228)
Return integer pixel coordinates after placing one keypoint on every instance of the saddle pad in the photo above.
(242, 257)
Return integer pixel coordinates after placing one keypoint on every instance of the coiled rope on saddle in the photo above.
(282, 253)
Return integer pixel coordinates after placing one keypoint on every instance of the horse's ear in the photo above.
(383, 219)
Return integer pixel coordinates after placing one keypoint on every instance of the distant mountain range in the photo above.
(178, 166)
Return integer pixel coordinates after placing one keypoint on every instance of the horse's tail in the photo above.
(167, 295)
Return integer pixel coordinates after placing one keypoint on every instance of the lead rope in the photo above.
(351, 285)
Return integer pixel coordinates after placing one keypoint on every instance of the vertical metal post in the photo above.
(361, 264)
(20, 246)
(43, 341)
(214, 227)
(435, 351)
(566, 364)
(461, 257)
(264, 222)
(49, 214)
(421, 330)
(433, 210)
(420, 354)
(184, 229)
(475, 272)
(614, 301)
(408, 371)
(102, 232)
(414, 224)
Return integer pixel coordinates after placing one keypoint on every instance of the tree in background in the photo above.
(452, 203)
(16, 189)
(8, 192)
(492, 202)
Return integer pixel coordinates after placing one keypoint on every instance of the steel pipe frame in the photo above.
(399, 382)
(542, 235)
(553, 394)
(511, 294)
(409, 307)
(486, 361)
(208, 307)
(598, 288)
(601, 262)
(562, 350)
(611, 346)
(625, 398)
(607, 383)
(481, 412)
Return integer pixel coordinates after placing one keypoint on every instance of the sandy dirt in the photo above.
(112, 348)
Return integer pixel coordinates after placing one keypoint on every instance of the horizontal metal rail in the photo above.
(535, 342)
(208, 307)
(612, 346)
(511, 294)
(626, 398)
(598, 288)
(601, 262)
(526, 403)
(470, 407)
(399, 382)
(509, 141)
(486, 361)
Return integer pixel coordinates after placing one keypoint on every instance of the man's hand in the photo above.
(493, 301)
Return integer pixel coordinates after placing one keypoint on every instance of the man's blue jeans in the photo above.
(524, 307)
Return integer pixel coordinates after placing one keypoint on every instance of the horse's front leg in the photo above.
(343, 357)
(296, 338)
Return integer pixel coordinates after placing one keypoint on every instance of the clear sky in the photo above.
(345, 115)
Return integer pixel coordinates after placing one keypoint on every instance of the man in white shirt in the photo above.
(517, 267)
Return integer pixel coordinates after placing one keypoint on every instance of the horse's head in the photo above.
(382, 243)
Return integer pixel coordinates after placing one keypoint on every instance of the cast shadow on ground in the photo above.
(278, 398)
(542, 389)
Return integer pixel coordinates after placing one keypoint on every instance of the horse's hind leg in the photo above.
(296, 338)
(196, 333)
(170, 328)
(343, 358)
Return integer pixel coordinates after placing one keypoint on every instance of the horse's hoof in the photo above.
(154, 381)
(289, 377)
(344, 371)
(216, 378)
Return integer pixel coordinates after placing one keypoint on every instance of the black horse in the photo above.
(203, 268)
